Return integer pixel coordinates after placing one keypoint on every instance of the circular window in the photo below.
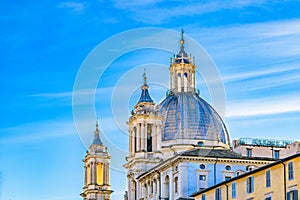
(228, 167)
(202, 166)
(200, 144)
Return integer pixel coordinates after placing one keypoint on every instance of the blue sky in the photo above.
(254, 44)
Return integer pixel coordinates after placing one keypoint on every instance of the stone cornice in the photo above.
(178, 158)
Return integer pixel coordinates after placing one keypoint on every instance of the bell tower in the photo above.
(144, 124)
(144, 128)
(96, 171)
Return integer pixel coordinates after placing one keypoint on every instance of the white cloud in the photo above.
(71, 93)
(259, 73)
(155, 12)
(254, 56)
(135, 3)
(76, 7)
(269, 39)
(264, 106)
(33, 132)
(276, 81)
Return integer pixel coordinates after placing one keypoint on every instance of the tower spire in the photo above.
(97, 140)
(145, 77)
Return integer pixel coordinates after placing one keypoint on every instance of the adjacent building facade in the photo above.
(265, 147)
(277, 181)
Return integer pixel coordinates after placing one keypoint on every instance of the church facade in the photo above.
(180, 148)
(181, 145)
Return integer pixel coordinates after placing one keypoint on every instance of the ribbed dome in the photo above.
(187, 116)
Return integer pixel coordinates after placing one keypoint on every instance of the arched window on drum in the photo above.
(185, 82)
(179, 82)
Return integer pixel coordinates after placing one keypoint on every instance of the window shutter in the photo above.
(247, 185)
(268, 178)
(295, 195)
(233, 190)
(252, 184)
(288, 195)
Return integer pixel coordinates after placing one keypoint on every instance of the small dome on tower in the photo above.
(145, 96)
(97, 140)
(97, 145)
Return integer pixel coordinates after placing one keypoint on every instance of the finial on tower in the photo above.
(182, 32)
(145, 77)
(145, 86)
(182, 40)
(97, 125)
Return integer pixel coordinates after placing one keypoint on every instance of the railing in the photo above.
(169, 92)
(264, 142)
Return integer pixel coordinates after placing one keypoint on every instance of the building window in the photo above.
(202, 178)
(268, 178)
(250, 184)
(291, 170)
(202, 166)
(249, 152)
(233, 190)
(203, 197)
(276, 154)
(218, 194)
(200, 144)
(268, 196)
(227, 178)
(228, 168)
(202, 182)
(176, 184)
(176, 168)
(292, 195)
(250, 168)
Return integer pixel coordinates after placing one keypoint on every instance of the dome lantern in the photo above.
(182, 70)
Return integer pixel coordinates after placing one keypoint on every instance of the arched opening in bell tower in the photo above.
(149, 137)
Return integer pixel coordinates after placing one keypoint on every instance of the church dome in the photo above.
(188, 116)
